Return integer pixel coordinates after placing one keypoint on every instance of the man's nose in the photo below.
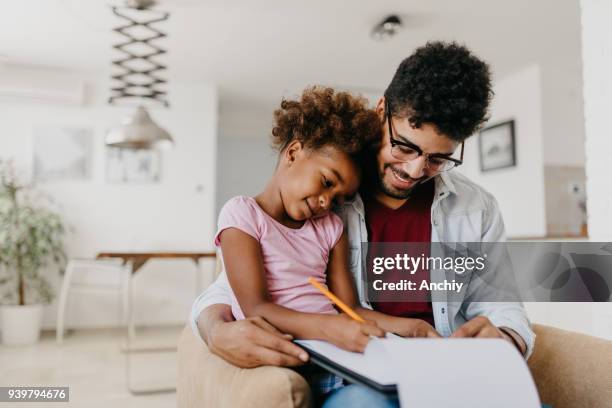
(416, 168)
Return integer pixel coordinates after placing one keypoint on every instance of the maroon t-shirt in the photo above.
(409, 223)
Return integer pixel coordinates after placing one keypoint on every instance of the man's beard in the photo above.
(394, 192)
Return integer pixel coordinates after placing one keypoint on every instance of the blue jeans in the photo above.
(357, 396)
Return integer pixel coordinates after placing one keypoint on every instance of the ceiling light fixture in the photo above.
(138, 76)
(387, 28)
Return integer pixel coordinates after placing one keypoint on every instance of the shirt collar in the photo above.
(444, 184)
(357, 204)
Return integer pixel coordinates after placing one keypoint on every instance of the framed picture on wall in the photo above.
(496, 146)
(62, 153)
(132, 166)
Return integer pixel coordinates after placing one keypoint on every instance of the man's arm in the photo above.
(506, 320)
(211, 317)
(246, 343)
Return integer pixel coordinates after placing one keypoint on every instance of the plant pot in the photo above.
(20, 325)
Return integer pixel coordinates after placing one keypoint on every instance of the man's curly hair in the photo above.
(443, 84)
(323, 117)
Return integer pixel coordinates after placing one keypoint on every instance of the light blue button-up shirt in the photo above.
(461, 212)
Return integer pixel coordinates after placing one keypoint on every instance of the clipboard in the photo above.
(346, 373)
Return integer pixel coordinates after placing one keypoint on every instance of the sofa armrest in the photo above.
(206, 380)
(571, 369)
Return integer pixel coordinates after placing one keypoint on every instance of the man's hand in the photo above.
(402, 326)
(406, 327)
(247, 343)
(482, 327)
(254, 342)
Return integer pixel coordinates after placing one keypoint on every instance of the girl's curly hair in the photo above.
(323, 117)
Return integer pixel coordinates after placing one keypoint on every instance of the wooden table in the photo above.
(137, 260)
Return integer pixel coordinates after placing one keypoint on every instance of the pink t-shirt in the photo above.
(290, 255)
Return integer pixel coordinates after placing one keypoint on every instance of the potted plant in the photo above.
(31, 238)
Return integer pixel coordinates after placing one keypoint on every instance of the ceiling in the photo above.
(258, 51)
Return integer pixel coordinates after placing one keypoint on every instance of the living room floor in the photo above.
(93, 364)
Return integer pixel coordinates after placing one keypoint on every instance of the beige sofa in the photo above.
(571, 370)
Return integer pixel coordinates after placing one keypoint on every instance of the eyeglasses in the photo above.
(406, 151)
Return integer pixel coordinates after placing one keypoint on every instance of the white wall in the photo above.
(562, 102)
(562, 110)
(597, 60)
(244, 166)
(597, 65)
(176, 214)
(519, 190)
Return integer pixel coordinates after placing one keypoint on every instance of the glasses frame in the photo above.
(395, 142)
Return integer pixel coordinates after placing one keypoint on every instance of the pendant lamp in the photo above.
(138, 77)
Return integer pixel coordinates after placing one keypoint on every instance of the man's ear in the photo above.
(291, 152)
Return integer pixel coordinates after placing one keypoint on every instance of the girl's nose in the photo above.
(324, 202)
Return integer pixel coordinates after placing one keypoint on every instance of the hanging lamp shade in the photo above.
(139, 131)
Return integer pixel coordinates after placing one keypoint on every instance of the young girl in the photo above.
(272, 243)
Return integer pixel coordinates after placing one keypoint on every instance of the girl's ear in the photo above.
(291, 152)
(380, 108)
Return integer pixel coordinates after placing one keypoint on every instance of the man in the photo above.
(438, 97)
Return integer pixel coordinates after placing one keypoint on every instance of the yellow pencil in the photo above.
(335, 300)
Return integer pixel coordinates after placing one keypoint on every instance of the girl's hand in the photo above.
(406, 327)
(349, 334)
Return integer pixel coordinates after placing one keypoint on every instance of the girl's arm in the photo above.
(341, 283)
(245, 271)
